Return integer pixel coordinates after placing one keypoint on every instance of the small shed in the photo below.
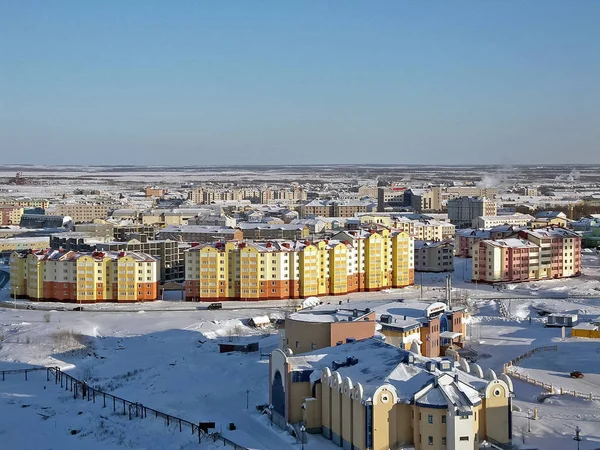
(260, 322)
(561, 320)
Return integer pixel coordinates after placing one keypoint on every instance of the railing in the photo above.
(82, 390)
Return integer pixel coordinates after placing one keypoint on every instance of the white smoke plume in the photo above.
(492, 180)
(572, 176)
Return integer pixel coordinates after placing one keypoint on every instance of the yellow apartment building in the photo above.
(299, 269)
(53, 275)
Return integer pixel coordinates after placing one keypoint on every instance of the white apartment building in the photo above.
(463, 210)
(491, 221)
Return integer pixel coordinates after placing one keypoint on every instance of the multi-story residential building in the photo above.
(560, 251)
(199, 233)
(466, 238)
(82, 212)
(213, 220)
(434, 256)
(425, 230)
(425, 199)
(154, 191)
(261, 231)
(336, 208)
(10, 215)
(169, 254)
(349, 262)
(370, 191)
(25, 202)
(516, 219)
(535, 255)
(53, 275)
(205, 196)
(128, 232)
(391, 197)
(368, 394)
(164, 217)
(463, 210)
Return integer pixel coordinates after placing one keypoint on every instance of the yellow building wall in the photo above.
(496, 411)
(338, 269)
(591, 334)
(127, 279)
(309, 271)
(17, 275)
(35, 277)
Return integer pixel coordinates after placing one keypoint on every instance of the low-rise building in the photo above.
(45, 221)
(13, 244)
(434, 256)
(371, 395)
(54, 275)
(311, 330)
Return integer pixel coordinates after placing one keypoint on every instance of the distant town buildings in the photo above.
(491, 221)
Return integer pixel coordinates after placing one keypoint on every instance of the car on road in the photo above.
(576, 374)
(215, 306)
(78, 308)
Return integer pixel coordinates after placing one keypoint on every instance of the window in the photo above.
(443, 441)
(297, 344)
(464, 417)
(443, 419)
(464, 438)
(430, 440)
(429, 418)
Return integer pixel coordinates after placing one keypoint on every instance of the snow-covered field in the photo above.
(169, 360)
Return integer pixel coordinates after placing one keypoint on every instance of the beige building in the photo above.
(81, 212)
(306, 331)
(371, 395)
(25, 202)
(9, 245)
(491, 221)
(10, 215)
(434, 256)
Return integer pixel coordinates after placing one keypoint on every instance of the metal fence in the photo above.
(82, 390)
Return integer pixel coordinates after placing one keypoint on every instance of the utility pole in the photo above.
(577, 437)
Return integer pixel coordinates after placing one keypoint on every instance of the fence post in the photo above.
(114, 404)
(25, 374)
(94, 396)
(167, 420)
(75, 390)
(104, 396)
(180, 425)
(47, 373)
(124, 413)
(3, 375)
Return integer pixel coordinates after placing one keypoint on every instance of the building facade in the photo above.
(434, 256)
(463, 210)
(10, 215)
(199, 233)
(82, 212)
(299, 269)
(539, 254)
(53, 275)
(492, 221)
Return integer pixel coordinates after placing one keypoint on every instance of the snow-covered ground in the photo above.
(169, 360)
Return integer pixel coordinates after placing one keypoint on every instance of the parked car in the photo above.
(78, 308)
(215, 306)
(576, 374)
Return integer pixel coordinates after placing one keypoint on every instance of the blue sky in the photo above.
(288, 82)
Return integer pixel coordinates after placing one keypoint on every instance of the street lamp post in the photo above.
(577, 436)
(271, 413)
(15, 296)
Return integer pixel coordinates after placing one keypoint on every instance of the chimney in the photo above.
(121, 254)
